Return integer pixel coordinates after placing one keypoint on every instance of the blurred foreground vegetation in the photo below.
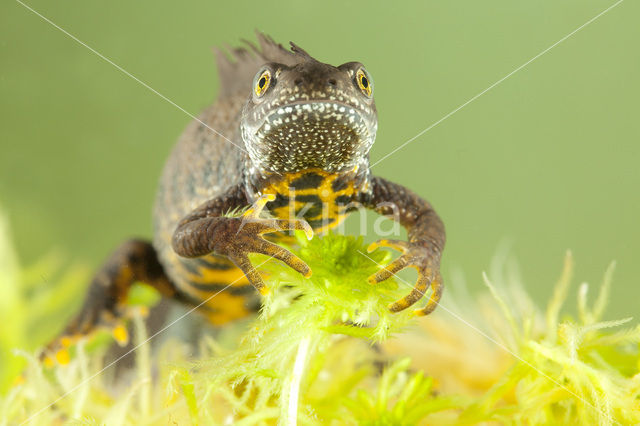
(309, 355)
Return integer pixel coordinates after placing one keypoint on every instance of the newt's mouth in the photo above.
(302, 135)
(315, 111)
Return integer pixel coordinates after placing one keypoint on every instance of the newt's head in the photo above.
(307, 114)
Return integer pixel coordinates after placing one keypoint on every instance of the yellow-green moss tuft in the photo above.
(325, 350)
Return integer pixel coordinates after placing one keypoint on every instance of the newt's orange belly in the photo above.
(218, 287)
(319, 197)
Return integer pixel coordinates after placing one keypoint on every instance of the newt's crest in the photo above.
(237, 66)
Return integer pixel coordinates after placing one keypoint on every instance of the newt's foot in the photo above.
(414, 255)
(97, 315)
(243, 235)
(57, 351)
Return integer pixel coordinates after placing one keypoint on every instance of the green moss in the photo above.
(320, 352)
(576, 370)
(34, 301)
(302, 319)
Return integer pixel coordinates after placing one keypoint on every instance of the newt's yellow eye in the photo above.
(262, 83)
(364, 83)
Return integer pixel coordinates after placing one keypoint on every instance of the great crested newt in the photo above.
(286, 131)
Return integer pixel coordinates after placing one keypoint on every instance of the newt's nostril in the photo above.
(297, 82)
(331, 82)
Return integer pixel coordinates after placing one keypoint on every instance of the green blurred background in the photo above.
(545, 161)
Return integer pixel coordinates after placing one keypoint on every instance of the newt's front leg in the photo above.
(422, 251)
(207, 231)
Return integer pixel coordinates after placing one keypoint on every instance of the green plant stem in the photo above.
(290, 400)
(143, 360)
